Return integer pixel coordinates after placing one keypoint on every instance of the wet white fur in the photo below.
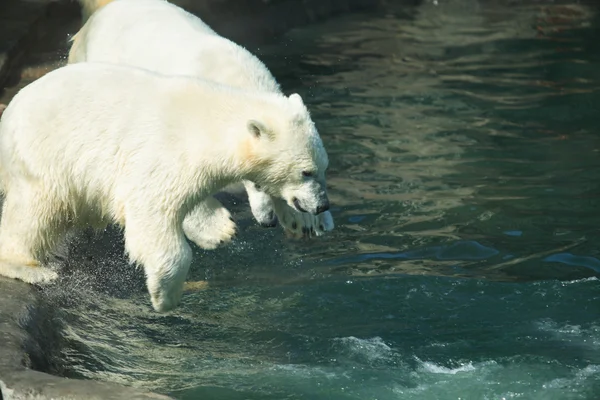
(93, 144)
(162, 37)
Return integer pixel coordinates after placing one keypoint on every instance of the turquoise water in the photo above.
(465, 168)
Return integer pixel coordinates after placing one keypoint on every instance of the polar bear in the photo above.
(91, 144)
(162, 37)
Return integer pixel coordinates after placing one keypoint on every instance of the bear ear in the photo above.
(297, 100)
(257, 129)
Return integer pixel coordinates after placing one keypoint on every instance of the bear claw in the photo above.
(292, 220)
(210, 225)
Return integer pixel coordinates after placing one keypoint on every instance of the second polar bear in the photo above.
(93, 144)
(161, 37)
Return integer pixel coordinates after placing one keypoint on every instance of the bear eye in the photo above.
(307, 174)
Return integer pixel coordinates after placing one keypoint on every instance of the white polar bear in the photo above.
(92, 144)
(161, 37)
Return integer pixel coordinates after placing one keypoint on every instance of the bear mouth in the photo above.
(297, 205)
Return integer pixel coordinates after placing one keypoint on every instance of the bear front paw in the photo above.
(297, 224)
(165, 300)
(210, 225)
(261, 206)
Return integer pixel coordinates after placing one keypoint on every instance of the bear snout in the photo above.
(322, 207)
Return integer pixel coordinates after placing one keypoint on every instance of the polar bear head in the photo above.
(290, 157)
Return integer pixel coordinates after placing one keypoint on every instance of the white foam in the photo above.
(590, 279)
(304, 371)
(372, 349)
(586, 337)
(439, 369)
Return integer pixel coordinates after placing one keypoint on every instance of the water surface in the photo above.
(464, 175)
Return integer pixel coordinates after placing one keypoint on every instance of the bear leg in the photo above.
(261, 206)
(29, 230)
(159, 245)
(209, 225)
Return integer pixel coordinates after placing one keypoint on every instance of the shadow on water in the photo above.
(464, 171)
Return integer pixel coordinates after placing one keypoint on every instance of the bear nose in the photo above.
(323, 207)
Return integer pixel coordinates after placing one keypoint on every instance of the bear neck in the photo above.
(218, 144)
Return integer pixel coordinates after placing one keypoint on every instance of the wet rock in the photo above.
(28, 335)
(28, 384)
(15, 298)
(19, 21)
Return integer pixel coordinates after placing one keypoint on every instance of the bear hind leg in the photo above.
(29, 229)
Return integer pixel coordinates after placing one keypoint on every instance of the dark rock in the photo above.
(19, 21)
(28, 336)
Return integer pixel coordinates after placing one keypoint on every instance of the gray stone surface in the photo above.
(28, 384)
(27, 338)
(15, 299)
